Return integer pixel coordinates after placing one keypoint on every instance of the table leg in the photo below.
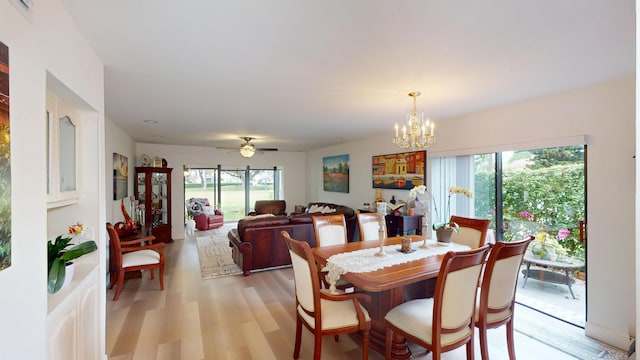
(566, 271)
(381, 303)
(526, 274)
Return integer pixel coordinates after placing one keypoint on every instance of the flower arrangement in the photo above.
(453, 190)
(75, 229)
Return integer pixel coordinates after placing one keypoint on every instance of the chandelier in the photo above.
(247, 150)
(420, 132)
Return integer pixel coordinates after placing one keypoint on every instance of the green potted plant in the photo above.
(59, 256)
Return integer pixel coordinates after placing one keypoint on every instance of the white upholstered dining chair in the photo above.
(318, 310)
(496, 301)
(445, 321)
(369, 225)
(330, 230)
(473, 232)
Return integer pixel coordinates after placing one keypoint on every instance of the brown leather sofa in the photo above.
(275, 207)
(257, 242)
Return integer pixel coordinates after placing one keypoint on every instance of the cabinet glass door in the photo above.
(142, 193)
(159, 199)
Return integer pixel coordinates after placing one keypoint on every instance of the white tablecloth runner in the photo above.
(361, 261)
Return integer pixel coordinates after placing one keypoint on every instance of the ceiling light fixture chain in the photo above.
(421, 132)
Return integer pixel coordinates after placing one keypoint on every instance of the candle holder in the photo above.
(381, 238)
(424, 232)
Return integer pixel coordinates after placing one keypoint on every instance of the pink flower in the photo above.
(563, 233)
(526, 215)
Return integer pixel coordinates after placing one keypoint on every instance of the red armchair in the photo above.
(204, 215)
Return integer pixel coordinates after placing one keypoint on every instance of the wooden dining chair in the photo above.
(321, 312)
(446, 321)
(473, 232)
(496, 301)
(130, 255)
(330, 230)
(369, 224)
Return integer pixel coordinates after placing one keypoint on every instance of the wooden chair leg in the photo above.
(510, 344)
(296, 349)
(152, 273)
(387, 343)
(365, 345)
(470, 349)
(120, 284)
(484, 346)
(161, 277)
(317, 345)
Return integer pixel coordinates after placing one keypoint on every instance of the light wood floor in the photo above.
(237, 318)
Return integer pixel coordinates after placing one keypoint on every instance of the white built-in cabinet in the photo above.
(73, 322)
(63, 140)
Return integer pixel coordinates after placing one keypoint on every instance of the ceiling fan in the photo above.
(247, 149)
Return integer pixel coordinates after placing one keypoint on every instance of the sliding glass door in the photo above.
(234, 190)
(539, 192)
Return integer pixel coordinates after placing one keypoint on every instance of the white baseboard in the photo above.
(616, 339)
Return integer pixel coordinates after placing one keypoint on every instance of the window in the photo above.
(234, 190)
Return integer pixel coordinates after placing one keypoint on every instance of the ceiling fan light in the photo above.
(247, 150)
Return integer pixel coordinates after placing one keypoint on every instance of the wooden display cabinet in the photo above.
(404, 225)
(153, 190)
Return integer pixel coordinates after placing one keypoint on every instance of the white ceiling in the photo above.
(301, 75)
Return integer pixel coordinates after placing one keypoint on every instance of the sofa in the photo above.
(256, 243)
(275, 207)
(205, 216)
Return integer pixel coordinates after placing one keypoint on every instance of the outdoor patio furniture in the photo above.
(551, 276)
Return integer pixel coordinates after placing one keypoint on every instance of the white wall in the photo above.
(606, 113)
(50, 42)
(292, 163)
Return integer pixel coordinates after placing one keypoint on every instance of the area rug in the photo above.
(214, 254)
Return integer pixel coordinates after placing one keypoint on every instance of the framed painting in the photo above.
(120, 176)
(335, 173)
(399, 171)
(5, 161)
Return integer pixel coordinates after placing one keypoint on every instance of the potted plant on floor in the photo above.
(59, 257)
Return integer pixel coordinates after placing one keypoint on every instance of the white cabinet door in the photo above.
(73, 327)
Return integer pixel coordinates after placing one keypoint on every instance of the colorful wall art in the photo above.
(335, 173)
(399, 171)
(120, 176)
(5, 161)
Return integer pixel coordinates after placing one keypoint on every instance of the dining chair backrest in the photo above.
(369, 226)
(307, 284)
(330, 229)
(473, 232)
(455, 293)
(496, 301)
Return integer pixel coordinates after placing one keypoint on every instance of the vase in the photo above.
(68, 273)
(443, 235)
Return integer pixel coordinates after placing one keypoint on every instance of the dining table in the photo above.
(404, 276)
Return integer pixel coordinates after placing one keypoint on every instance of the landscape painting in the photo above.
(399, 171)
(335, 173)
(120, 176)
(5, 161)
